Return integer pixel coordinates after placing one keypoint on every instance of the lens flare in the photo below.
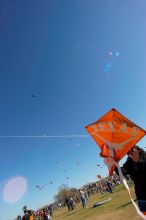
(15, 189)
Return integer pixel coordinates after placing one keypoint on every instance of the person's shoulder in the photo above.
(128, 165)
(142, 152)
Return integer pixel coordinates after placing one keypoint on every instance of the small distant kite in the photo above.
(45, 134)
(77, 163)
(110, 53)
(98, 176)
(40, 188)
(33, 96)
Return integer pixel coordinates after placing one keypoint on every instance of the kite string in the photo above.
(109, 163)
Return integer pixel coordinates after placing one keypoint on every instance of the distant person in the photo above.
(109, 186)
(135, 166)
(45, 215)
(82, 198)
(49, 217)
(68, 202)
(50, 208)
(71, 203)
(86, 194)
(26, 215)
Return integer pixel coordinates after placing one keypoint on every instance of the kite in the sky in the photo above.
(33, 96)
(45, 134)
(115, 135)
(78, 163)
(40, 188)
(98, 165)
(99, 176)
(110, 53)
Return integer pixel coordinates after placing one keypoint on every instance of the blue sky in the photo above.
(58, 52)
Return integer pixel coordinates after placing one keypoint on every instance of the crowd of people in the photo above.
(82, 196)
(103, 186)
(44, 214)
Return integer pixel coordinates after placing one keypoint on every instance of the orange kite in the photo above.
(115, 135)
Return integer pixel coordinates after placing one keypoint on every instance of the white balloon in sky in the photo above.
(15, 189)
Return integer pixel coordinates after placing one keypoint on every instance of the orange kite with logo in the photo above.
(115, 135)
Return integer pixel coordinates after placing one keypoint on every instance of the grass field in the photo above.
(118, 208)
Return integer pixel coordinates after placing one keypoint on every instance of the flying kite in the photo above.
(45, 134)
(98, 165)
(40, 188)
(77, 163)
(115, 135)
(98, 176)
(110, 53)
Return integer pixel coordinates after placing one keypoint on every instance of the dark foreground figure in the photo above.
(135, 166)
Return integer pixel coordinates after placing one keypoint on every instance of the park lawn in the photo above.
(118, 208)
